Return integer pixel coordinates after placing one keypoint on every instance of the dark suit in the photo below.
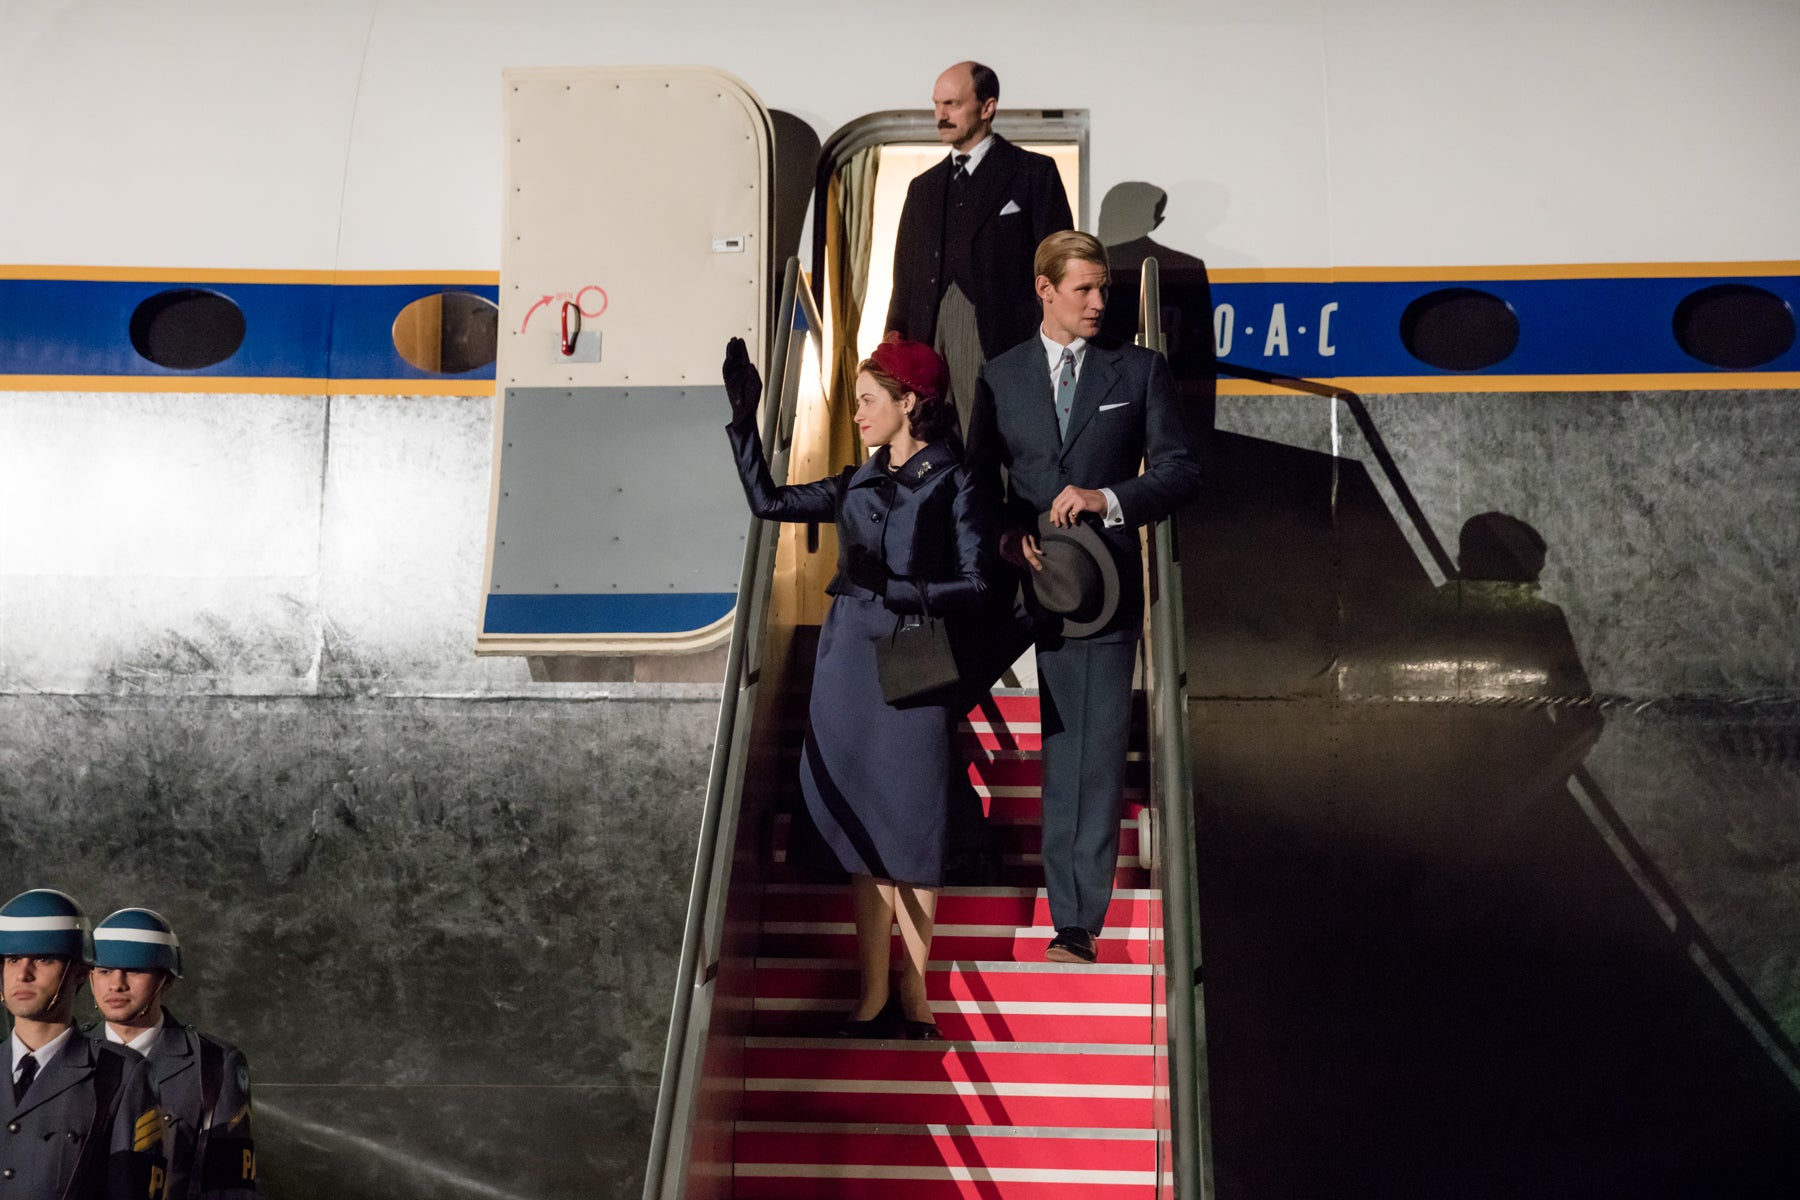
(180, 1059)
(1126, 413)
(997, 274)
(54, 1143)
(877, 777)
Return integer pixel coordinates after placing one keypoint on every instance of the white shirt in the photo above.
(975, 155)
(142, 1042)
(1053, 352)
(43, 1053)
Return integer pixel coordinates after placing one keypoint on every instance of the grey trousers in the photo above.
(958, 339)
(1085, 690)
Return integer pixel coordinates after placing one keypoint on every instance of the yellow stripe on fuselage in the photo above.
(1482, 274)
(1379, 385)
(1345, 274)
(249, 385)
(90, 274)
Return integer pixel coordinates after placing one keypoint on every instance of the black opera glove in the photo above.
(743, 386)
(865, 570)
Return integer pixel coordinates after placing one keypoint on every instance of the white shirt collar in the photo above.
(143, 1041)
(43, 1053)
(975, 155)
(1053, 352)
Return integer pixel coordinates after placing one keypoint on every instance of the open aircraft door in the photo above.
(636, 241)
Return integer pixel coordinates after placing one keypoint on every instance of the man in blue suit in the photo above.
(1070, 417)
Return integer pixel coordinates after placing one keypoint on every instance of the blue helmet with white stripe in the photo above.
(44, 921)
(136, 939)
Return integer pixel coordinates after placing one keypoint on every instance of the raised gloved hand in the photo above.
(866, 570)
(743, 386)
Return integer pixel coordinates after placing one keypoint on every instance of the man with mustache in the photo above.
(204, 1082)
(962, 258)
(80, 1118)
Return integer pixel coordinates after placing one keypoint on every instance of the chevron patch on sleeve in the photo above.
(148, 1131)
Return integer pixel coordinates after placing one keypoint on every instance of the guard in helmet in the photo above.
(204, 1082)
(81, 1119)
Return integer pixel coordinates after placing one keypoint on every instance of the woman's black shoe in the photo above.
(922, 1031)
(884, 1024)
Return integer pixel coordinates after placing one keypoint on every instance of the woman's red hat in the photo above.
(918, 367)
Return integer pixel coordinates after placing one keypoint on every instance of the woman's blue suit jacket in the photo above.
(926, 522)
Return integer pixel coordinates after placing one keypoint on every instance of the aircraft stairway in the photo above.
(1397, 999)
(1053, 1080)
(1044, 1085)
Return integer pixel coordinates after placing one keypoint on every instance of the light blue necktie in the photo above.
(1065, 391)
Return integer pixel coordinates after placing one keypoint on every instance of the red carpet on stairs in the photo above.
(1046, 1084)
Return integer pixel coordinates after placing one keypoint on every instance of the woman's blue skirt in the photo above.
(876, 778)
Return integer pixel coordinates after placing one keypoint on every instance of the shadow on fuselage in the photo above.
(1427, 972)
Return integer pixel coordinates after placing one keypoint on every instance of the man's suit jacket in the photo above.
(176, 1058)
(1006, 305)
(1126, 412)
(43, 1135)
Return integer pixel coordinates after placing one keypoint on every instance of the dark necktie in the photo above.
(27, 1072)
(961, 173)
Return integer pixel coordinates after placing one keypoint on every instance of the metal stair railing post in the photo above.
(1172, 794)
(664, 1176)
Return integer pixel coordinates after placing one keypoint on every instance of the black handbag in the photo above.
(915, 662)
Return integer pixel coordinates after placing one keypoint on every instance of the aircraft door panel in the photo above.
(636, 240)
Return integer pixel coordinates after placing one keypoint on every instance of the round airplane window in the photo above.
(1734, 325)
(1459, 329)
(185, 329)
(448, 333)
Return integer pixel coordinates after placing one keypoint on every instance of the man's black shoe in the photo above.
(1072, 944)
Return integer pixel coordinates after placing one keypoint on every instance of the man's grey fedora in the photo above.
(1080, 579)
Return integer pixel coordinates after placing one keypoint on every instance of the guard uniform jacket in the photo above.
(88, 1128)
(215, 1159)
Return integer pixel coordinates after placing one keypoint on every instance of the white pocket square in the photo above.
(1107, 407)
(1012, 206)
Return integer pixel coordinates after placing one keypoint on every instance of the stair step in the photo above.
(971, 1001)
(1025, 907)
(1002, 941)
(780, 1159)
(1022, 706)
(987, 1083)
(1017, 834)
(1022, 806)
(1008, 770)
(1017, 870)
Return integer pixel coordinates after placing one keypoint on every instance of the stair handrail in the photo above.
(1172, 794)
(1376, 443)
(682, 1056)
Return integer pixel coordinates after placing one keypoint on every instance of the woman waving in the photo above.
(914, 543)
